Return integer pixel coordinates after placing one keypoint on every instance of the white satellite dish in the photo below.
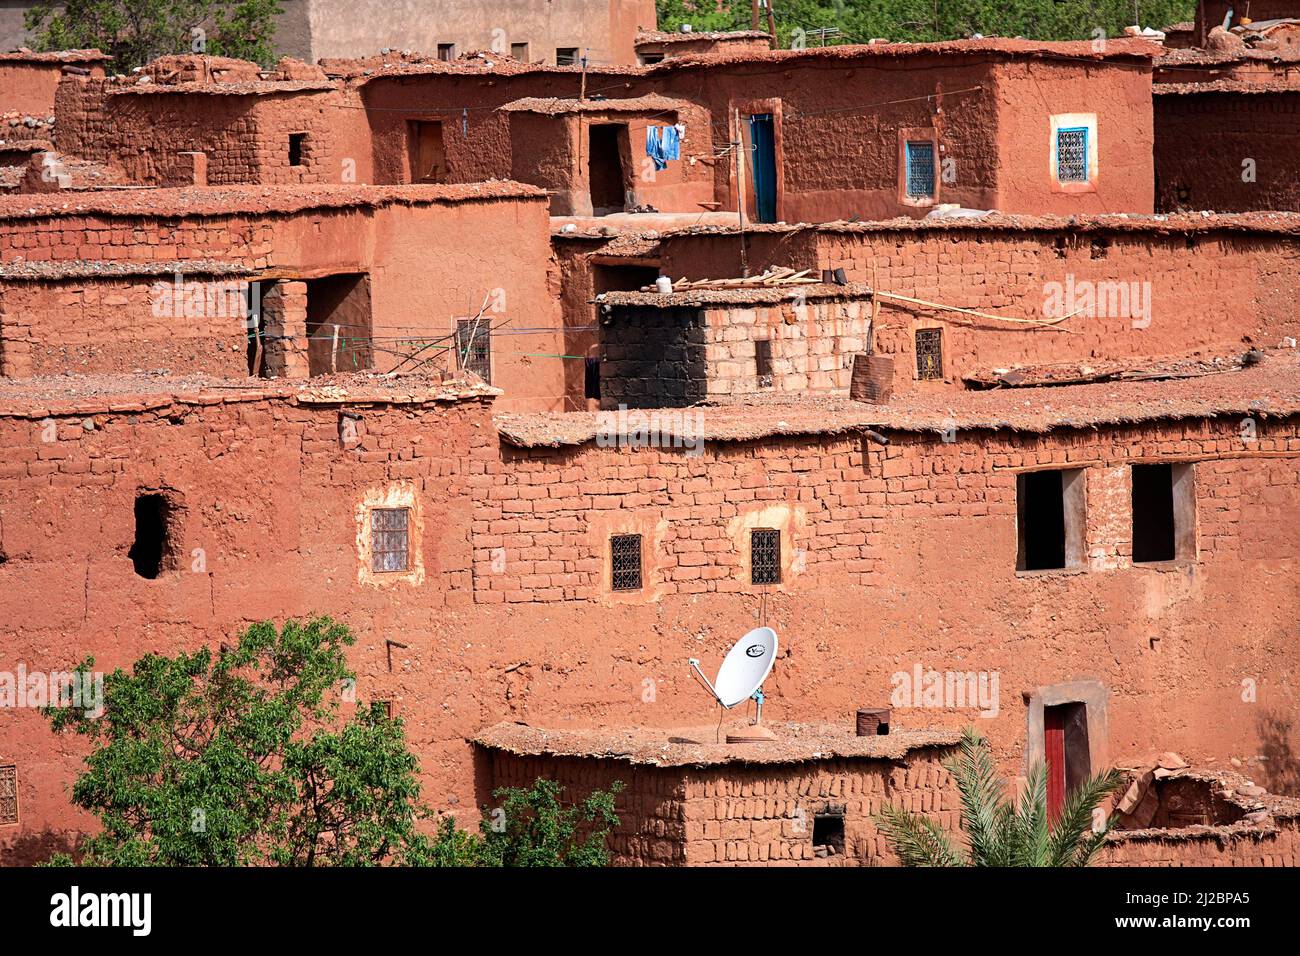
(741, 677)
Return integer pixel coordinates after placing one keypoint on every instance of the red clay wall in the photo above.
(28, 86)
(867, 538)
(1231, 152)
(244, 136)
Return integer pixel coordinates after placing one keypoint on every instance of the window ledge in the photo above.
(1177, 564)
(1052, 572)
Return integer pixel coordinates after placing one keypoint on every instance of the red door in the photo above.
(1054, 749)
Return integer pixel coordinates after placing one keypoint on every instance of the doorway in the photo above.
(1065, 745)
(428, 153)
(605, 174)
(762, 137)
(339, 324)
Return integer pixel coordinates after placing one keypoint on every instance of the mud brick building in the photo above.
(28, 80)
(343, 279)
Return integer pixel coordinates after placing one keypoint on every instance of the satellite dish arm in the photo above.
(695, 666)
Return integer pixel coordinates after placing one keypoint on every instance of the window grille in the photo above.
(765, 556)
(920, 170)
(1072, 155)
(929, 354)
(389, 542)
(625, 562)
(474, 347)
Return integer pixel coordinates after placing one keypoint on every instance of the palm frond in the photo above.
(1032, 840)
(1073, 842)
(984, 811)
(918, 840)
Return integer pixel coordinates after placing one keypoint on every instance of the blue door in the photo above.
(763, 139)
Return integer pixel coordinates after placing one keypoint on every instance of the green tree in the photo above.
(927, 20)
(133, 32)
(243, 758)
(1002, 832)
(534, 828)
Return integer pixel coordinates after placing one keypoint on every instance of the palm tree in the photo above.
(1000, 831)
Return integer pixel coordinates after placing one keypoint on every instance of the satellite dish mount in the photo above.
(741, 678)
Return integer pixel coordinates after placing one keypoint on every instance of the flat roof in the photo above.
(696, 746)
(135, 87)
(677, 36)
(57, 56)
(1269, 389)
(554, 105)
(755, 295)
(45, 270)
(97, 394)
(254, 200)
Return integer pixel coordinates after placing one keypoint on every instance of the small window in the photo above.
(386, 708)
(152, 550)
(1163, 512)
(389, 539)
(1072, 155)
(519, 51)
(625, 562)
(446, 52)
(929, 354)
(591, 379)
(920, 170)
(765, 556)
(566, 56)
(828, 833)
(296, 142)
(1049, 520)
(474, 347)
(763, 362)
(648, 59)
(8, 795)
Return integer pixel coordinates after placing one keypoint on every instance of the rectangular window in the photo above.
(153, 549)
(296, 142)
(920, 170)
(8, 795)
(763, 362)
(1072, 155)
(474, 347)
(566, 56)
(1049, 520)
(446, 52)
(765, 556)
(519, 51)
(625, 562)
(929, 354)
(1164, 515)
(389, 540)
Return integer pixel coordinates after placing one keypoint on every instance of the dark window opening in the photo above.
(929, 354)
(625, 562)
(1065, 749)
(591, 384)
(256, 327)
(566, 56)
(1163, 518)
(1049, 519)
(765, 556)
(446, 52)
(339, 324)
(828, 832)
(474, 347)
(296, 143)
(606, 178)
(389, 539)
(650, 58)
(519, 51)
(428, 153)
(153, 550)
(763, 362)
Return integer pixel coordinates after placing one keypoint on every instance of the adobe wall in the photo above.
(747, 814)
(245, 136)
(1210, 290)
(1227, 151)
(428, 265)
(1204, 846)
(28, 87)
(502, 531)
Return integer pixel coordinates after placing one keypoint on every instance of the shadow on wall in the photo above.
(37, 847)
(1281, 770)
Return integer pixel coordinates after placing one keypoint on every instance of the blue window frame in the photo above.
(920, 170)
(1072, 154)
